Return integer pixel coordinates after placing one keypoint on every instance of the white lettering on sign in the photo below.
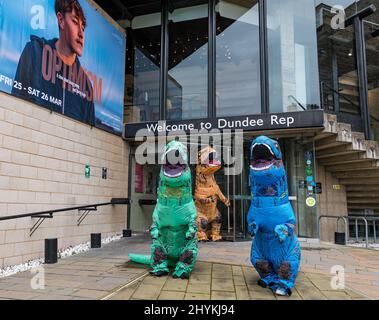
(7, 81)
(163, 127)
(281, 121)
(238, 124)
(223, 124)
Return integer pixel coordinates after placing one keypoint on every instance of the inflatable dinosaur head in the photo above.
(266, 162)
(208, 162)
(175, 171)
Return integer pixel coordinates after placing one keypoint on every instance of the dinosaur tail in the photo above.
(140, 258)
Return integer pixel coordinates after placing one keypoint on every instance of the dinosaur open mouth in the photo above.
(262, 157)
(173, 170)
(174, 165)
(211, 161)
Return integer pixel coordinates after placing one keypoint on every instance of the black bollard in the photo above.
(127, 233)
(51, 251)
(340, 238)
(95, 240)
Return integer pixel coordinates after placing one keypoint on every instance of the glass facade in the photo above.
(187, 82)
(338, 71)
(228, 72)
(340, 65)
(143, 75)
(371, 25)
(292, 56)
(238, 90)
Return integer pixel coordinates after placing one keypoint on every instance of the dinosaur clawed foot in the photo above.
(184, 275)
(216, 238)
(159, 273)
(261, 283)
(203, 238)
(283, 292)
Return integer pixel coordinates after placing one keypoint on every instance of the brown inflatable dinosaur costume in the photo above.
(207, 192)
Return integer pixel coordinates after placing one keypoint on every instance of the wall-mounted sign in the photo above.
(318, 188)
(259, 122)
(138, 179)
(87, 171)
(310, 201)
(302, 184)
(310, 183)
(104, 173)
(336, 187)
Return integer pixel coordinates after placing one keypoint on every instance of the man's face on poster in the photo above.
(72, 31)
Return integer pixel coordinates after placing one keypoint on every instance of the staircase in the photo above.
(351, 159)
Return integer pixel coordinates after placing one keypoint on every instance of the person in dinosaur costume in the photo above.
(174, 229)
(275, 251)
(207, 192)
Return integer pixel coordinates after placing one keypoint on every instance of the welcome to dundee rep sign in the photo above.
(293, 120)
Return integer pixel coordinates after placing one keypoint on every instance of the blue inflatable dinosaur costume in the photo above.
(275, 251)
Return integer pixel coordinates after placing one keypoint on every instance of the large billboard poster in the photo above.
(65, 56)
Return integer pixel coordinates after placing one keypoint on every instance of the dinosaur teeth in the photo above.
(261, 168)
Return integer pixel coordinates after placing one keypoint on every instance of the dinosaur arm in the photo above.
(283, 231)
(154, 229)
(192, 226)
(221, 196)
(252, 228)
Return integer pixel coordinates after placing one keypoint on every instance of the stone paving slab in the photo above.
(308, 287)
(223, 271)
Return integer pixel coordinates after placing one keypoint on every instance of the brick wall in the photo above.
(42, 161)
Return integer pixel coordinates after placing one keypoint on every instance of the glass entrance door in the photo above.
(236, 188)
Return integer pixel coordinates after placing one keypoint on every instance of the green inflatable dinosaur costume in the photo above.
(174, 229)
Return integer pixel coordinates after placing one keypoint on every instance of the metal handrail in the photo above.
(373, 219)
(374, 118)
(346, 219)
(51, 212)
(343, 96)
(332, 217)
(297, 101)
(339, 93)
(356, 226)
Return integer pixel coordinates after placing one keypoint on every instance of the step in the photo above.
(362, 206)
(344, 136)
(372, 148)
(357, 145)
(359, 188)
(357, 174)
(330, 126)
(359, 181)
(366, 200)
(345, 159)
(368, 164)
(363, 194)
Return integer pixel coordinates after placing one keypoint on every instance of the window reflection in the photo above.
(292, 55)
(238, 89)
(187, 87)
(146, 57)
(372, 60)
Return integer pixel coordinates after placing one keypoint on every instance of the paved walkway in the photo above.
(223, 271)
